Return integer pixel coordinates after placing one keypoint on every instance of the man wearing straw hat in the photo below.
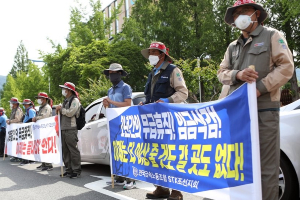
(165, 84)
(69, 139)
(45, 111)
(15, 117)
(268, 51)
(119, 95)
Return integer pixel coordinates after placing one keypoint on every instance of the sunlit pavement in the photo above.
(25, 182)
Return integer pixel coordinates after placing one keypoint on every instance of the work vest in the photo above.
(257, 52)
(159, 84)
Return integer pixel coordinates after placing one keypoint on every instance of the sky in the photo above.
(33, 21)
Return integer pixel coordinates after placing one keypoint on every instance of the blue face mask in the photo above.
(24, 107)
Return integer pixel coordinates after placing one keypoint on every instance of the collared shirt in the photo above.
(3, 119)
(119, 93)
(156, 70)
(29, 114)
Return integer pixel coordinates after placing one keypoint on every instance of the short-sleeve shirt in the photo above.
(3, 119)
(29, 114)
(119, 93)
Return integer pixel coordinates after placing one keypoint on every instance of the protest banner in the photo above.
(208, 149)
(36, 141)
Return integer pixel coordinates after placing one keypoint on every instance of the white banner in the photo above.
(37, 141)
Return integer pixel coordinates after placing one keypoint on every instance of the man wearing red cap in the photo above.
(45, 111)
(16, 116)
(268, 51)
(69, 111)
(3, 119)
(165, 84)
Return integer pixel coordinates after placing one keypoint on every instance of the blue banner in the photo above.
(187, 147)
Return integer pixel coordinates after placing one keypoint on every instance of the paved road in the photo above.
(25, 182)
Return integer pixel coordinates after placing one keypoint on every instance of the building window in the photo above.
(117, 21)
(127, 9)
(109, 15)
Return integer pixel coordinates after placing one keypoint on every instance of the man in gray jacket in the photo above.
(16, 116)
(268, 51)
(68, 112)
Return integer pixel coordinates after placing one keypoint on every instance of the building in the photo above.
(125, 11)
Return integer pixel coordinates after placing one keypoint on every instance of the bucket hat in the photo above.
(159, 46)
(115, 67)
(42, 95)
(228, 15)
(68, 85)
(14, 100)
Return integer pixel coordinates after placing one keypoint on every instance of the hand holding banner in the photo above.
(209, 149)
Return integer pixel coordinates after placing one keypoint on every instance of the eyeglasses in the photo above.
(241, 12)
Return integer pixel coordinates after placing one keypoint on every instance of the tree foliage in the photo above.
(20, 61)
(189, 28)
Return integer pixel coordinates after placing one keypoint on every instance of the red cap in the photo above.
(27, 101)
(14, 100)
(159, 46)
(42, 95)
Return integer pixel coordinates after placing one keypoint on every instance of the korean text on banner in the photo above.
(37, 141)
(208, 149)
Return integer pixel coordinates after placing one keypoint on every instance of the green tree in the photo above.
(20, 61)
(285, 16)
(84, 29)
(10, 90)
(97, 88)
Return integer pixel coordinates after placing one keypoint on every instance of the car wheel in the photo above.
(288, 181)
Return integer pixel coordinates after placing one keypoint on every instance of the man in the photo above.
(15, 117)
(30, 113)
(165, 84)
(68, 112)
(45, 111)
(267, 50)
(3, 119)
(119, 95)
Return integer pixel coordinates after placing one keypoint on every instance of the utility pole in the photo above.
(198, 65)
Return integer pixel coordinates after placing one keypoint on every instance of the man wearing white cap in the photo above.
(268, 51)
(119, 95)
(165, 84)
(69, 110)
(16, 116)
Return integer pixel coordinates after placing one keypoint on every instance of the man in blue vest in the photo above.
(165, 84)
(3, 119)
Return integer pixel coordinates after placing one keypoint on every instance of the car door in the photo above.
(93, 136)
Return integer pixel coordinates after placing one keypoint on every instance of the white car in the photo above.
(93, 142)
(289, 176)
(93, 137)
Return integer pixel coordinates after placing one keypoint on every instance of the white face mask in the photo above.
(153, 59)
(64, 92)
(243, 21)
(11, 106)
(39, 101)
